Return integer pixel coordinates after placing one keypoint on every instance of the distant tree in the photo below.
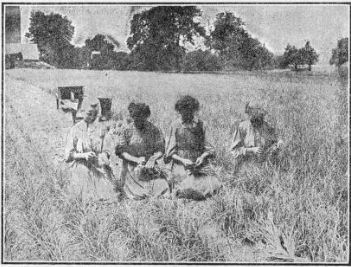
(309, 55)
(340, 54)
(158, 36)
(53, 34)
(200, 60)
(293, 56)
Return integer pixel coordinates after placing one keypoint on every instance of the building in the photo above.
(15, 51)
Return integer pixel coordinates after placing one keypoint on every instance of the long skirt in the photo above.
(197, 186)
(136, 186)
(89, 183)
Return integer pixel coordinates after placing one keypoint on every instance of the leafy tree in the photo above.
(297, 57)
(53, 34)
(228, 35)
(158, 36)
(340, 54)
(235, 45)
(293, 56)
(200, 60)
(309, 54)
(104, 44)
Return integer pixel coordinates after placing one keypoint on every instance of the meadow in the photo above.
(295, 213)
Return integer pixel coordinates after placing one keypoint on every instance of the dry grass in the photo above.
(297, 213)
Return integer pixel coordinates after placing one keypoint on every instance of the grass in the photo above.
(296, 213)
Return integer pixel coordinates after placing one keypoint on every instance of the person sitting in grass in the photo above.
(187, 152)
(254, 140)
(91, 177)
(140, 145)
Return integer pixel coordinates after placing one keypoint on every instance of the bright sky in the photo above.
(274, 25)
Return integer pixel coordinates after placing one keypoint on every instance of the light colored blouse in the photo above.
(83, 138)
(187, 140)
(245, 136)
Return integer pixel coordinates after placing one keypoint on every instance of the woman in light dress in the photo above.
(91, 177)
(254, 141)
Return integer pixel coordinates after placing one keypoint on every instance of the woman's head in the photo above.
(256, 113)
(139, 112)
(186, 106)
(90, 111)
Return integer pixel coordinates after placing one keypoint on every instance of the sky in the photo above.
(274, 25)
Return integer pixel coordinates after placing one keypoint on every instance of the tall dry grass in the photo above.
(295, 213)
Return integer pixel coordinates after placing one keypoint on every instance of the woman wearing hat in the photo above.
(91, 177)
(140, 144)
(254, 140)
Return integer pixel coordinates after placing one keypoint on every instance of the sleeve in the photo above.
(171, 145)
(109, 143)
(159, 145)
(237, 148)
(71, 145)
(121, 141)
(208, 147)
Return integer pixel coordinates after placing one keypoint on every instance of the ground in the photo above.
(307, 110)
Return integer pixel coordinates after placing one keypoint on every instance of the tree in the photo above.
(297, 57)
(293, 56)
(235, 45)
(309, 54)
(340, 54)
(228, 35)
(158, 36)
(53, 34)
(104, 45)
(201, 61)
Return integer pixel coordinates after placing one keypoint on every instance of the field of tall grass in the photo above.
(295, 213)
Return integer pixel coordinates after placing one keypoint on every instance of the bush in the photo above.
(200, 60)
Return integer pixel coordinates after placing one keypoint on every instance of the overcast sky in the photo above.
(274, 25)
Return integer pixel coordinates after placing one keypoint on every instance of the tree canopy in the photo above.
(158, 35)
(235, 45)
(53, 34)
(340, 54)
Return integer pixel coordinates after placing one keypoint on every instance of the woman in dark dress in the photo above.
(187, 151)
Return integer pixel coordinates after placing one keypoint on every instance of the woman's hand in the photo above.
(87, 155)
(150, 164)
(255, 150)
(140, 161)
(103, 159)
(187, 162)
(199, 161)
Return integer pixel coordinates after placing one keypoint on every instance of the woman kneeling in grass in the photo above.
(188, 151)
(254, 140)
(140, 144)
(92, 179)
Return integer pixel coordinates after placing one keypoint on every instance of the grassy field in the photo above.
(298, 213)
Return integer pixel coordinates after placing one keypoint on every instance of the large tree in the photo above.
(340, 54)
(53, 34)
(228, 35)
(158, 36)
(235, 45)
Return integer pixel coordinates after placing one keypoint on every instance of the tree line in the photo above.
(164, 38)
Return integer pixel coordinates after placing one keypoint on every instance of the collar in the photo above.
(192, 124)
